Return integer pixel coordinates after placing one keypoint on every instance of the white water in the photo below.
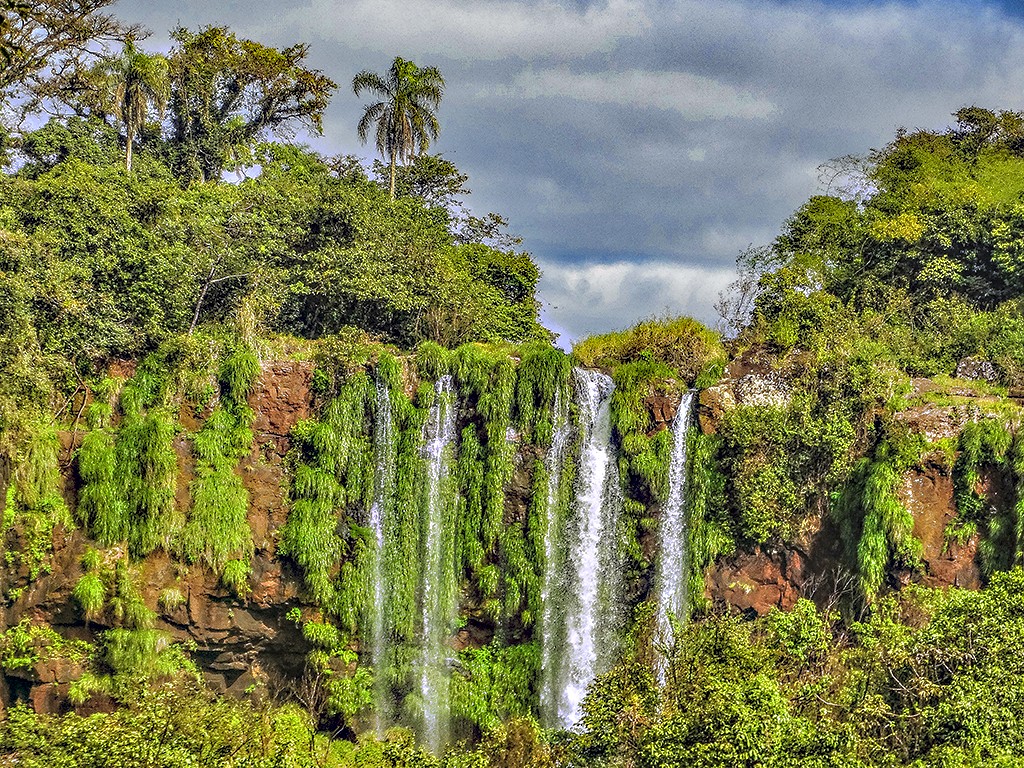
(673, 560)
(438, 605)
(384, 449)
(553, 584)
(591, 543)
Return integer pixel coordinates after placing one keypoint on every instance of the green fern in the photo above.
(90, 594)
(236, 577)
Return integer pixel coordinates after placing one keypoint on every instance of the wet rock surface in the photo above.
(928, 493)
(662, 409)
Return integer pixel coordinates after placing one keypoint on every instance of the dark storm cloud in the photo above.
(638, 145)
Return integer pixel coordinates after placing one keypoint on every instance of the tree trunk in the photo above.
(202, 296)
(128, 156)
(6, 470)
(392, 177)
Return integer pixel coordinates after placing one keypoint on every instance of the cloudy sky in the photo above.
(638, 145)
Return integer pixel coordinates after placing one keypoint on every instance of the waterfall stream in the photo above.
(438, 598)
(594, 583)
(384, 451)
(552, 629)
(673, 559)
(582, 582)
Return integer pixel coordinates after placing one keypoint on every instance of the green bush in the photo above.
(690, 350)
(235, 577)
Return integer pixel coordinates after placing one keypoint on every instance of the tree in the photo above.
(137, 80)
(8, 48)
(228, 93)
(405, 119)
(432, 178)
(441, 185)
(47, 45)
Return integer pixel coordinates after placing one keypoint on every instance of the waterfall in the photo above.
(438, 596)
(384, 453)
(594, 585)
(552, 585)
(673, 559)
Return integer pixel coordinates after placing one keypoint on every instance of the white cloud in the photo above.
(471, 30)
(694, 97)
(591, 298)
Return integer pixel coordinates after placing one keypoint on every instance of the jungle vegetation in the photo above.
(162, 218)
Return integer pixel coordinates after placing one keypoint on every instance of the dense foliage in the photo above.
(131, 259)
(929, 679)
(904, 268)
(914, 245)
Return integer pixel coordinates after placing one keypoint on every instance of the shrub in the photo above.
(236, 577)
(691, 350)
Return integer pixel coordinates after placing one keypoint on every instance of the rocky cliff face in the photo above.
(239, 642)
(755, 582)
(776, 576)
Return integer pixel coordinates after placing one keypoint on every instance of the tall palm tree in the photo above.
(405, 119)
(136, 80)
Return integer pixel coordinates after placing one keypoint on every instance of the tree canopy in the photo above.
(48, 47)
(228, 93)
(922, 237)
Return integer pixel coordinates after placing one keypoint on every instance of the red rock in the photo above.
(928, 493)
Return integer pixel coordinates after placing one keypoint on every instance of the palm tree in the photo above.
(136, 80)
(404, 116)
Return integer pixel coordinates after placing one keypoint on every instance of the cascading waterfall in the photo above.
(384, 450)
(594, 587)
(551, 629)
(438, 598)
(673, 559)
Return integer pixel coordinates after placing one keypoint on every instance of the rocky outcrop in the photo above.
(776, 576)
(751, 379)
(756, 582)
(238, 642)
(927, 492)
(283, 396)
(936, 422)
(663, 410)
(765, 389)
(713, 404)
(977, 369)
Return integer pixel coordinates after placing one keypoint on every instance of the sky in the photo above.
(637, 146)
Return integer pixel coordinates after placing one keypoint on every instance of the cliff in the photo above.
(254, 641)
